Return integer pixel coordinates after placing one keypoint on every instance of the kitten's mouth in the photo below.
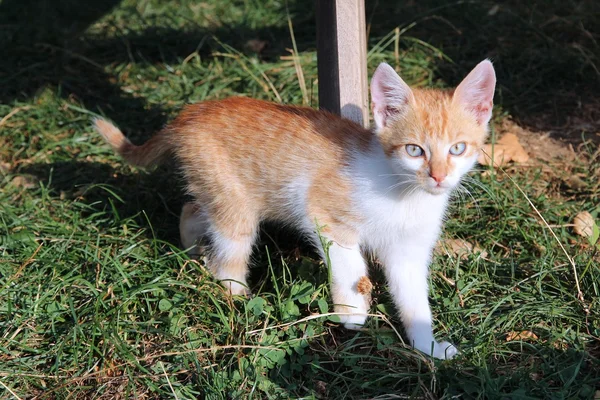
(437, 190)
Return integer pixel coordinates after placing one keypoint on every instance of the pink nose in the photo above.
(439, 178)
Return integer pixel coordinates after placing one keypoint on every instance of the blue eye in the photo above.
(414, 151)
(458, 148)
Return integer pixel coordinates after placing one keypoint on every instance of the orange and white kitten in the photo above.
(386, 192)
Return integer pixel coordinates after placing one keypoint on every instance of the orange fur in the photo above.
(237, 154)
(433, 118)
(241, 151)
(145, 155)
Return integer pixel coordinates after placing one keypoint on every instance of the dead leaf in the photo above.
(4, 167)
(540, 145)
(597, 395)
(575, 182)
(458, 248)
(507, 149)
(321, 387)
(25, 181)
(523, 336)
(583, 224)
(560, 345)
(536, 376)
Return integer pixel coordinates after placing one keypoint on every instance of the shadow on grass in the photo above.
(546, 54)
(156, 193)
(45, 45)
(522, 370)
(160, 195)
(41, 47)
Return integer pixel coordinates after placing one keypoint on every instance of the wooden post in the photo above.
(342, 58)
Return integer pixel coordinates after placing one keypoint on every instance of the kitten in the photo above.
(386, 192)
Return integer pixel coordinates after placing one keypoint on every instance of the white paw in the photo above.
(441, 350)
(444, 350)
(354, 321)
(236, 288)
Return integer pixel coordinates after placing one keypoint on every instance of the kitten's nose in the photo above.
(439, 178)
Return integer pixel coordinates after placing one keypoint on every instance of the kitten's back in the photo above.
(241, 129)
(244, 128)
(254, 151)
(262, 152)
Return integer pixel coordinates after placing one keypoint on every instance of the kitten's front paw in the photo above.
(444, 350)
(353, 322)
(353, 319)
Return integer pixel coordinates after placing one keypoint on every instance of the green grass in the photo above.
(98, 301)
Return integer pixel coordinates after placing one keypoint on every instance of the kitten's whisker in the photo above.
(413, 189)
(479, 184)
(386, 175)
(398, 184)
(464, 190)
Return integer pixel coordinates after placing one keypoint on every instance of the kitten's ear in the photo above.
(389, 95)
(476, 92)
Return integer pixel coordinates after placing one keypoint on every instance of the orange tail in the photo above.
(145, 155)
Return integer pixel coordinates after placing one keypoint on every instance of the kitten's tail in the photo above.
(145, 155)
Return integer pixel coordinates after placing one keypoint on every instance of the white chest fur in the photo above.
(392, 206)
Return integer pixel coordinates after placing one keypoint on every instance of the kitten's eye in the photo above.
(458, 148)
(414, 151)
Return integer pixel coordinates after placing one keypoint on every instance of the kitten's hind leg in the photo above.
(231, 247)
(193, 227)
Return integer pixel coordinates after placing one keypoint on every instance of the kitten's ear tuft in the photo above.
(476, 92)
(389, 95)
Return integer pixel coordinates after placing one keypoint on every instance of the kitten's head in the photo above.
(433, 136)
